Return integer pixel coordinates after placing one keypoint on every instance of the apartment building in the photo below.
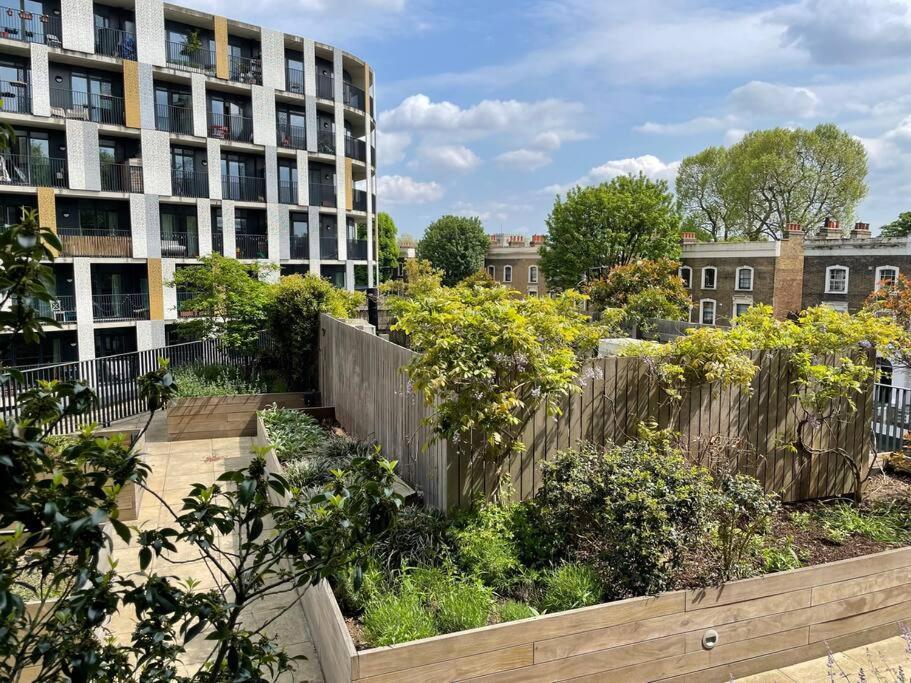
(148, 135)
(513, 260)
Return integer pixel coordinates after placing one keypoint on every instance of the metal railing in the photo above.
(325, 142)
(300, 247)
(353, 96)
(182, 298)
(87, 106)
(325, 86)
(250, 245)
(180, 55)
(180, 244)
(15, 97)
(359, 200)
(25, 169)
(322, 194)
(62, 309)
(116, 307)
(355, 149)
(218, 243)
(174, 119)
(357, 249)
(246, 69)
(230, 127)
(891, 416)
(95, 242)
(295, 78)
(189, 183)
(19, 24)
(121, 177)
(114, 42)
(328, 247)
(287, 192)
(243, 188)
(291, 137)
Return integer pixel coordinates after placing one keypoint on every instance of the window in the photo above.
(707, 312)
(745, 279)
(532, 291)
(709, 277)
(492, 271)
(740, 308)
(533, 275)
(507, 273)
(885, 275)
(686, 274)
(836, 280)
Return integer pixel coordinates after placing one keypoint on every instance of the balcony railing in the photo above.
(174, 119)
(353, 96)
(25, 169)
(328, 248)
(287, 192)
(182, 309)
(230, 127)
(295, 80)
(218, 243)
(243, 188)
(292, 137)
(300, 246)
(359, 200)
(95, 242)
(121, 177)
(62, 309)
(246, 69)
(15, 97)
(322, 194)
(357, 249)
(120, 306)
(325, 142)
(180, 244)
(180, 55)
(29, 27)
(355, 149)
(74, 104)
(115, 43)
(249, 245)
(325, 86)
(189, 183)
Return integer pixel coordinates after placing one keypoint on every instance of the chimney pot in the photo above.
(688, 237)
(861, 231)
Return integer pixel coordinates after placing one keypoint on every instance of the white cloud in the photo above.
(648, 164)
(450, 157)
(391, 146)
(524, 159)
(734, 135)
(550, 140)
(700, 124)
(769, 99)
(397, 189)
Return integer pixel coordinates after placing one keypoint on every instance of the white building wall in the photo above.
(83, 164)
(273, 56)
(271, 176)
(303, 178)
(85, 324)
(156, 161)
(227, 222)
(213, 155)
(204, 226)
(41, 81)
(149, 334)
(313, 221)
(150, 35)
(146, 97)
(168, 268)
(198, 97)
(78, 20)
(263, 100)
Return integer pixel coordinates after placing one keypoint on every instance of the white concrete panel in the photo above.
(146, 97)
(312, 126)
(349, 276)
(198, 96)
(169, 297)
(342, 236)
(153, 226)
(339, 81)
(273, 51)
(150, 35)
(204, 225)
(78, 21)
(85, 327)
(83, 164)
(313, 221)
(309, 69)
(156, 161)
(228, 230)
(149, 334)
(277, 218)
(303, 178)
(213, 156)
(263, 115)
(41, 83)
(271, 174)
(138, 228)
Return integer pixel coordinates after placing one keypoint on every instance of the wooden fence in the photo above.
(360, 376)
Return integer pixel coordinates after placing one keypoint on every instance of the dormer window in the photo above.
(744, 279)
(686, 274)
(709, 277)
(836, 280)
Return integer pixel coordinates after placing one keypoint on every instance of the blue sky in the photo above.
(489, 108)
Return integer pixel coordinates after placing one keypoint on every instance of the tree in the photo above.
(388, 257)
(419, 278)
(615, 223)
(774, 177)
(900, 227)
(456, 245)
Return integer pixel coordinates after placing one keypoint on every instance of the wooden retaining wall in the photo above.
(206, 417)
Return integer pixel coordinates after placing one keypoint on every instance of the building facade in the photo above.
(148, 135)
(513, 260)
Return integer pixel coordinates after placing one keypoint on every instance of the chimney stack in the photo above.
(861, 231)
(537, 240)
(792, 231)
(830, 230)
(688, 238)
(517, 240)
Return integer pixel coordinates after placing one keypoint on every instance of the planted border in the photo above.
(206, 417)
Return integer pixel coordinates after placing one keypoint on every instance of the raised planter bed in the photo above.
(206, 417)
(130, 497)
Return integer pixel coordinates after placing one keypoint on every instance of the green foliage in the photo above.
(514, 610)
(217, 380)
(485, 546)
(418, 538)
(900, 227)
(392, 618)
(461, 605)
(419, 278)
(456, 245)
(771, 178)
(615, 223)
(570, 586)
(388, 256)
(781, 556)
(292, 433)
(479, 279)
(885, 524)
(743, 514)
(356, 587)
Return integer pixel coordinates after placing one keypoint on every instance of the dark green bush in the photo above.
(743, 513)
(417, 539)
(570, 586)
(217, 380)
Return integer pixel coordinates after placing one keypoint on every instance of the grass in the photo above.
(397, 618)
(514, 610)
(216, 380)
(570, 586)
(463, 605)
(882, 523)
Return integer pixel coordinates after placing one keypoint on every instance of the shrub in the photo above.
(513, 610)
(418, 538)
(570, 586)
(743, 512)
(485, 546)
(462, 605)
(293, 434)
(392, 618)
(628, 511)
(216, 380)
(353, 598)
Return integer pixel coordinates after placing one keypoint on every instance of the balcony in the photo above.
(322, 194)
(189, 183)
(174, 119)
(33, 171)
(300, 247)
(328, 248)
(18, 24)
(355, 149)
(95, 242)
(201, 59)
(218, 243)
(358, 200)
(295, 80)
(115, 43)
(249, 245)
(325, 86)
(180, 245)
(325, 142)
(74, 104)
(182, 310)
(243, 188)
(287, 192)
(357, 250)
(246, 69)
(62, 309)
(292, 137)
(230, 127)
(15, 97)
(354, 96)
(117, 307)
(121, 177)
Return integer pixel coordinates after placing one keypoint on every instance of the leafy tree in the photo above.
(615, 223)
(388, 257)
(900, 227)
(774, 177)
(479, 279)
(418, 279)
(293, 323)
(456, 245)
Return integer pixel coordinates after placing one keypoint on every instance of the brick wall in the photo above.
(861, 276)
(520, 263)
(725, 290)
